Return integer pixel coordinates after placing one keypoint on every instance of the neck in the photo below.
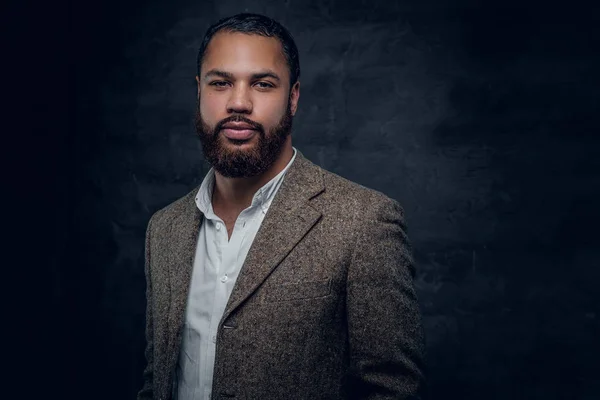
(236, 194)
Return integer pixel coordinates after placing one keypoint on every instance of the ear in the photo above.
(294, 97)
(198, 82)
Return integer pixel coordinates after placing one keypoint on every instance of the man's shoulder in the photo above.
(175, 208)
(346, 192)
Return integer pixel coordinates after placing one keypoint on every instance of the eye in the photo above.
(264, 85)
(219, 84)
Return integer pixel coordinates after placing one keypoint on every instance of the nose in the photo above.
(240, 101)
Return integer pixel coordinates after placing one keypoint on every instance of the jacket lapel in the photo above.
(185, 229)
(287, 221)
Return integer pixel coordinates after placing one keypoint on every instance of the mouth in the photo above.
(238, 134)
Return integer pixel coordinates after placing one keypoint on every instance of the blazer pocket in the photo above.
(298, 291)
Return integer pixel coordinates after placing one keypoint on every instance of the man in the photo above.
(274, 279)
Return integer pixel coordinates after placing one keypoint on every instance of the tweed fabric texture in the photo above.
(324, 306)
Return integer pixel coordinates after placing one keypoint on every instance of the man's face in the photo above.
(245, 106)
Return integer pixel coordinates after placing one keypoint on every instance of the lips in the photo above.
(238, 130)
(239, 134)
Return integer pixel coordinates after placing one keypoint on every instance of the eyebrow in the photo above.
(228, 75)
(266, 74)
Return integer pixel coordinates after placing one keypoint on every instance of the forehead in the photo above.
(242, 53)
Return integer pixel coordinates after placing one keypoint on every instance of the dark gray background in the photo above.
(478, 117)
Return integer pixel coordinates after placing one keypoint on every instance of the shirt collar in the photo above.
(262, 198)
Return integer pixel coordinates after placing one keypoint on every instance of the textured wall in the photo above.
(478, 118)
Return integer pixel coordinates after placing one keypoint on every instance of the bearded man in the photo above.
(275, 278)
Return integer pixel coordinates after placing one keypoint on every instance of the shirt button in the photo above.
(218, 226)
(224, 278)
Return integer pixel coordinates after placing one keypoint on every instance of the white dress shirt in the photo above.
(217, 262)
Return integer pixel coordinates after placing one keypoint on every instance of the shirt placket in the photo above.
(229, 249)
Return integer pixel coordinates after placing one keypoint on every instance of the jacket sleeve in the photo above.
(147, 392)
(384, 323)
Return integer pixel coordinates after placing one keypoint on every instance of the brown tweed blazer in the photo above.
(323, 308)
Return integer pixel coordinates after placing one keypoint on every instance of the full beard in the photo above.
(234, 162)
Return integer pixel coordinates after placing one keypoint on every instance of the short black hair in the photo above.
(256, 24)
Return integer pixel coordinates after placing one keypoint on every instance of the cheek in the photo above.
(211, 107)
(272, 112)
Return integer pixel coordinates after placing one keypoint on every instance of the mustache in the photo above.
(239, 118)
